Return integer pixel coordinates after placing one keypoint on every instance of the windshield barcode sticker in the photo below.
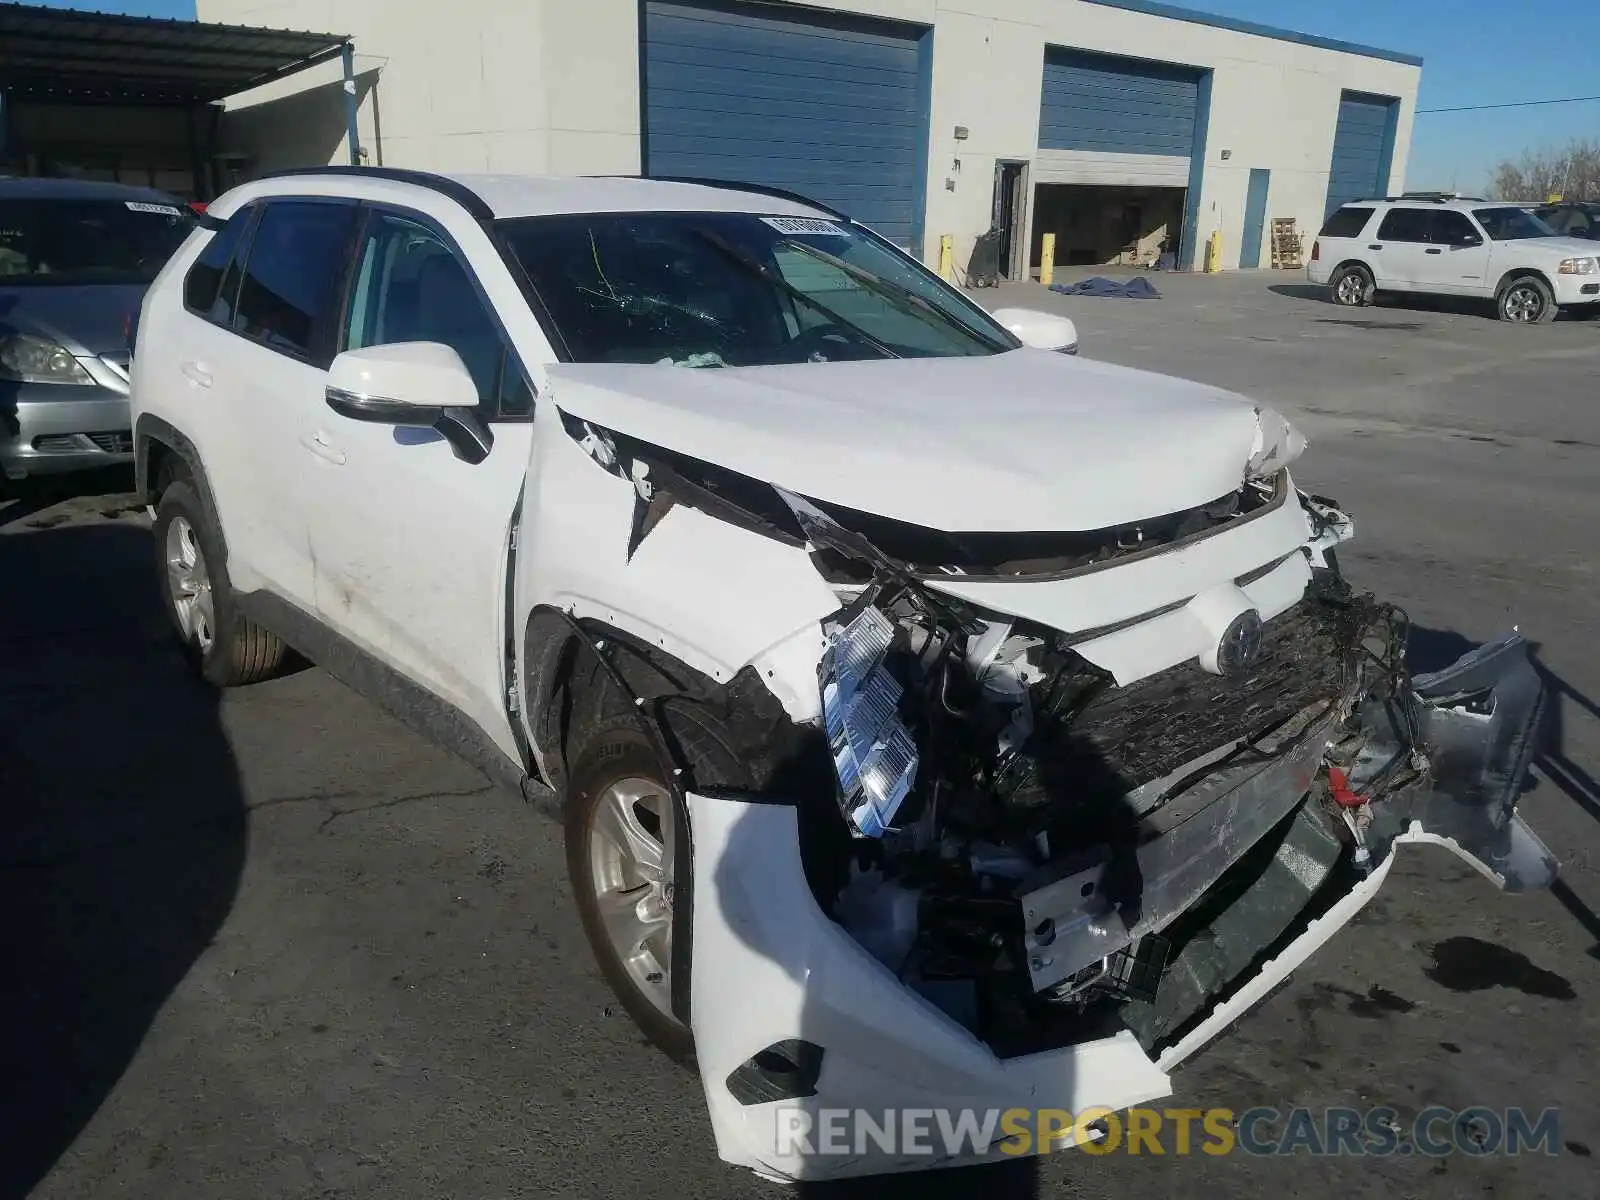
(165, 210)
(805, 226)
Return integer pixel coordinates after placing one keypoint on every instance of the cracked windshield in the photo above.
(735, 289)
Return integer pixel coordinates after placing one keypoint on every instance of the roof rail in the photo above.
(759, 189)
(1436, 197)
(443, 184)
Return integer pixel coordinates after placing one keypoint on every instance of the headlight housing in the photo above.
(1579, 266)
(25, 358)
(874, 756)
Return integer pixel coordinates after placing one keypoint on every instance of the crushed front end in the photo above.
(1082, 881)
(1094, 794)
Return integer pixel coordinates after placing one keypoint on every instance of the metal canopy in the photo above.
(61, 54)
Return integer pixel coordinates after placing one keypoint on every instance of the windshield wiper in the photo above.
(893, 292)
(733, 254)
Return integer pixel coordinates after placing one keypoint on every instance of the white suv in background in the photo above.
(1451, 247)
(935, 719)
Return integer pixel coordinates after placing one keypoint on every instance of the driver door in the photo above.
(1457, 254)
(410, 543)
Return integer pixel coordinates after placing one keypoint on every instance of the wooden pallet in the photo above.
(1288, 245)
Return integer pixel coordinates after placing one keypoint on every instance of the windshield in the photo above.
(1508, 224)
(45, 241)
(737, 289)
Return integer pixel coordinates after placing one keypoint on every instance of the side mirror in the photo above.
(421, 385)
(1470, 239)
(1040, 330)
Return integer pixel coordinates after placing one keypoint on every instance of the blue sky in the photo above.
(1475, 52)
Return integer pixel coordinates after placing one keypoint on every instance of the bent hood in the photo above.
(1028, 440)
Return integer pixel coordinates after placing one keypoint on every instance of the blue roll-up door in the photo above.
(1363, 147)
(832, 107)
(1099, 103)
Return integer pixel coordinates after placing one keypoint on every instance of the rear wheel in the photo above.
(1353, 286)
(1526, 301)
(226, 647)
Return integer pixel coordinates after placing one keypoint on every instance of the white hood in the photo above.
(1556, 247)
(1026, 440)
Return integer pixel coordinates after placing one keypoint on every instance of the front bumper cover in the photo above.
(771, 969)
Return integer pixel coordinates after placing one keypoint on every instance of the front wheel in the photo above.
(1527, 301)
(623, 842)
(1353, 286)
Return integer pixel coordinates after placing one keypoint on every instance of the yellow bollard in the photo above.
(947, 258)
(1214, 252)
(1047, 259)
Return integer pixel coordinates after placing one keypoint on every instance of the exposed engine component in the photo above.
(1025, 829)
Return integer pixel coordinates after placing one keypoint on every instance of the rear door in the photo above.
(255, 360)
(1397, 254)
(1457, 257)
(410, 542)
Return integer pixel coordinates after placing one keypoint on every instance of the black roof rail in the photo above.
(443, 184)
(759, 189)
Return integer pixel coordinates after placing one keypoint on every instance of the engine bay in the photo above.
(1028, 837)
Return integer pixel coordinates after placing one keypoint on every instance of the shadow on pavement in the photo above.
(107, 491)
(122, 831)
(1431, 649)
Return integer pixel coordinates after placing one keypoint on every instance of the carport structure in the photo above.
(138, 98)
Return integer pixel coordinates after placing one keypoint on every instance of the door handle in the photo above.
(317, 443)
(1434, 250)
(196, 372)
(1374, 246)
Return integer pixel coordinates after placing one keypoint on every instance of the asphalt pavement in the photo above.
(270, 943)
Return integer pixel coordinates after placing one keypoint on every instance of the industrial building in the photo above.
(1129, 129)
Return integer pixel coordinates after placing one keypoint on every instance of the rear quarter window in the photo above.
(204, 290)
(1347, 222)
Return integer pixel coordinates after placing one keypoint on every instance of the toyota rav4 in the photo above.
(934, 718)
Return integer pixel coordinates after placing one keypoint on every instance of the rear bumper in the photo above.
(48, 429)
(777, 985)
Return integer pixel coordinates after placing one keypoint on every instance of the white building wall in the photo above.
(553, 86)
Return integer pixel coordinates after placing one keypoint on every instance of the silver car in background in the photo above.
(75, 259)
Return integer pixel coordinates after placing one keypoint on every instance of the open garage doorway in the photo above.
(1098, 226)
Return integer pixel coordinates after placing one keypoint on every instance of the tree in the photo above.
(1572, 171)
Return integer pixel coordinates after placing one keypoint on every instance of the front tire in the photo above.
(1353, 286)
(1526, 301)
(622, 842)
(226, 647)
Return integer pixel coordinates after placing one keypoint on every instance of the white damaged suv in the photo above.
(935, 719)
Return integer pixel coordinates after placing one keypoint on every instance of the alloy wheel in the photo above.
(189, 583)
(630, 865)
(1524, 304)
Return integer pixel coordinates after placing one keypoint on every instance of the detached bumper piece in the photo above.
(1471, 730)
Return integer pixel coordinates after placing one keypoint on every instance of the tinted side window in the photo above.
(1347, 222)
(1579, 224)
(1453, 229)
(1556, 218)
(410, 287)
(290, 294)
(213, 282)
(1404, 225)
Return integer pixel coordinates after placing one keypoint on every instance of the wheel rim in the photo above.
(1524, 304)
(630, 868)
(1350, 289)
(189, 583)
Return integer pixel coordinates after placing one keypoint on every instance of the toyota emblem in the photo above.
(1240, 645)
